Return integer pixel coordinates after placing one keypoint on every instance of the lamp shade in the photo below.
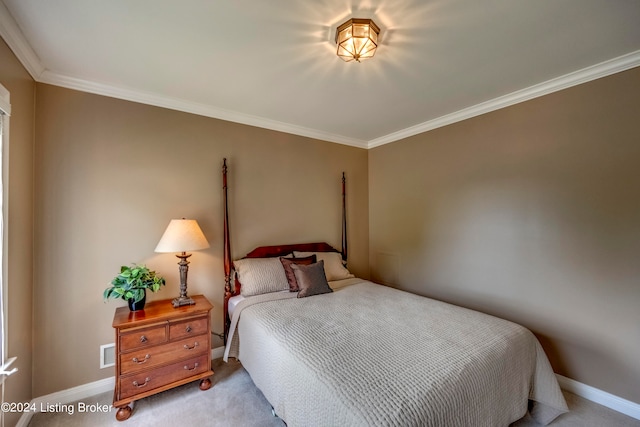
(182, 235)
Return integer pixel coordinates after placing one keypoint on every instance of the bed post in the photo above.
(344, 220)
(227, 253)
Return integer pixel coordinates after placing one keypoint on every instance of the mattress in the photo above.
(371, 355)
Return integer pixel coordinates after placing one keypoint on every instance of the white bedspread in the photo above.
(372, 355)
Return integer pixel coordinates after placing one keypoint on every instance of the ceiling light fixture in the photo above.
(357, 39)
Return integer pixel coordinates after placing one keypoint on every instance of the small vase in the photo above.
(135, 306)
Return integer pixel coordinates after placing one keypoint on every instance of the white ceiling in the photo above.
(272, 63)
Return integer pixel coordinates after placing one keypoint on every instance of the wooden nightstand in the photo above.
(159, 348)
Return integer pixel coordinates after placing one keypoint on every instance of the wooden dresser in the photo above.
(159, 348)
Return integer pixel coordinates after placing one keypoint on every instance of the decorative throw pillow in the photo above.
(260, 276)
(311, 279)
(333, 267)
(291, 277)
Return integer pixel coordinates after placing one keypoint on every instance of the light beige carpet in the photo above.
(235, 401)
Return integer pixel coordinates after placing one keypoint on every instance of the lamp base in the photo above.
(179, 302)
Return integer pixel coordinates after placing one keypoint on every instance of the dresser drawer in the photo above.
(188, 327)
(143, 337)
(131, 385)
(147, 358)
(160, 348)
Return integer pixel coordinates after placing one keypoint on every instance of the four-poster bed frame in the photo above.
(231, 285)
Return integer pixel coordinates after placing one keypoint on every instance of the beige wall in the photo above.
(531, 213)
(18, 226)
(110, 174)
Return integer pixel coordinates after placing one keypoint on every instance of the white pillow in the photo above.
(333, 267)
(260, 276)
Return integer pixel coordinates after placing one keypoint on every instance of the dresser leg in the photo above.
(123, 413)
(205, 384)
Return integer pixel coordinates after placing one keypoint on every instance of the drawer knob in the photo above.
(140, 362)
(195, 366)
(188, 329)
(143, 338)
(146, 381)
(186, 346)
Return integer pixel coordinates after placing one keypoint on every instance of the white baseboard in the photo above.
(217, 353)
(74, 394)
(82, 392)
(600, 397)
(68, 396)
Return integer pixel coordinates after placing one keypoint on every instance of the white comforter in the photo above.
(372, 355)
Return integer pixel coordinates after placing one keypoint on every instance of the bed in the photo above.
(352, 352)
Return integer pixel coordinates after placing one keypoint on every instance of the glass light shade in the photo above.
(357, 39)
(182, 235)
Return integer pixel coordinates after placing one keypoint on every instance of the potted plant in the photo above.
(131, 285)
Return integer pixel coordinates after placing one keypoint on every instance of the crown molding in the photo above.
(603, 69)
(192, 107)
(12, 34)
(16, 41)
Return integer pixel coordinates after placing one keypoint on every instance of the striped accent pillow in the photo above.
(260, 276)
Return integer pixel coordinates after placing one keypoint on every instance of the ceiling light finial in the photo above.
(357, 39)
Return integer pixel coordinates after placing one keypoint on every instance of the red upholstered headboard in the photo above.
(269, 251)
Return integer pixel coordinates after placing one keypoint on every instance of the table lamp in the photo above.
(182, 235)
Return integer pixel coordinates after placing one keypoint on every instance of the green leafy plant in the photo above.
(132, 282)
